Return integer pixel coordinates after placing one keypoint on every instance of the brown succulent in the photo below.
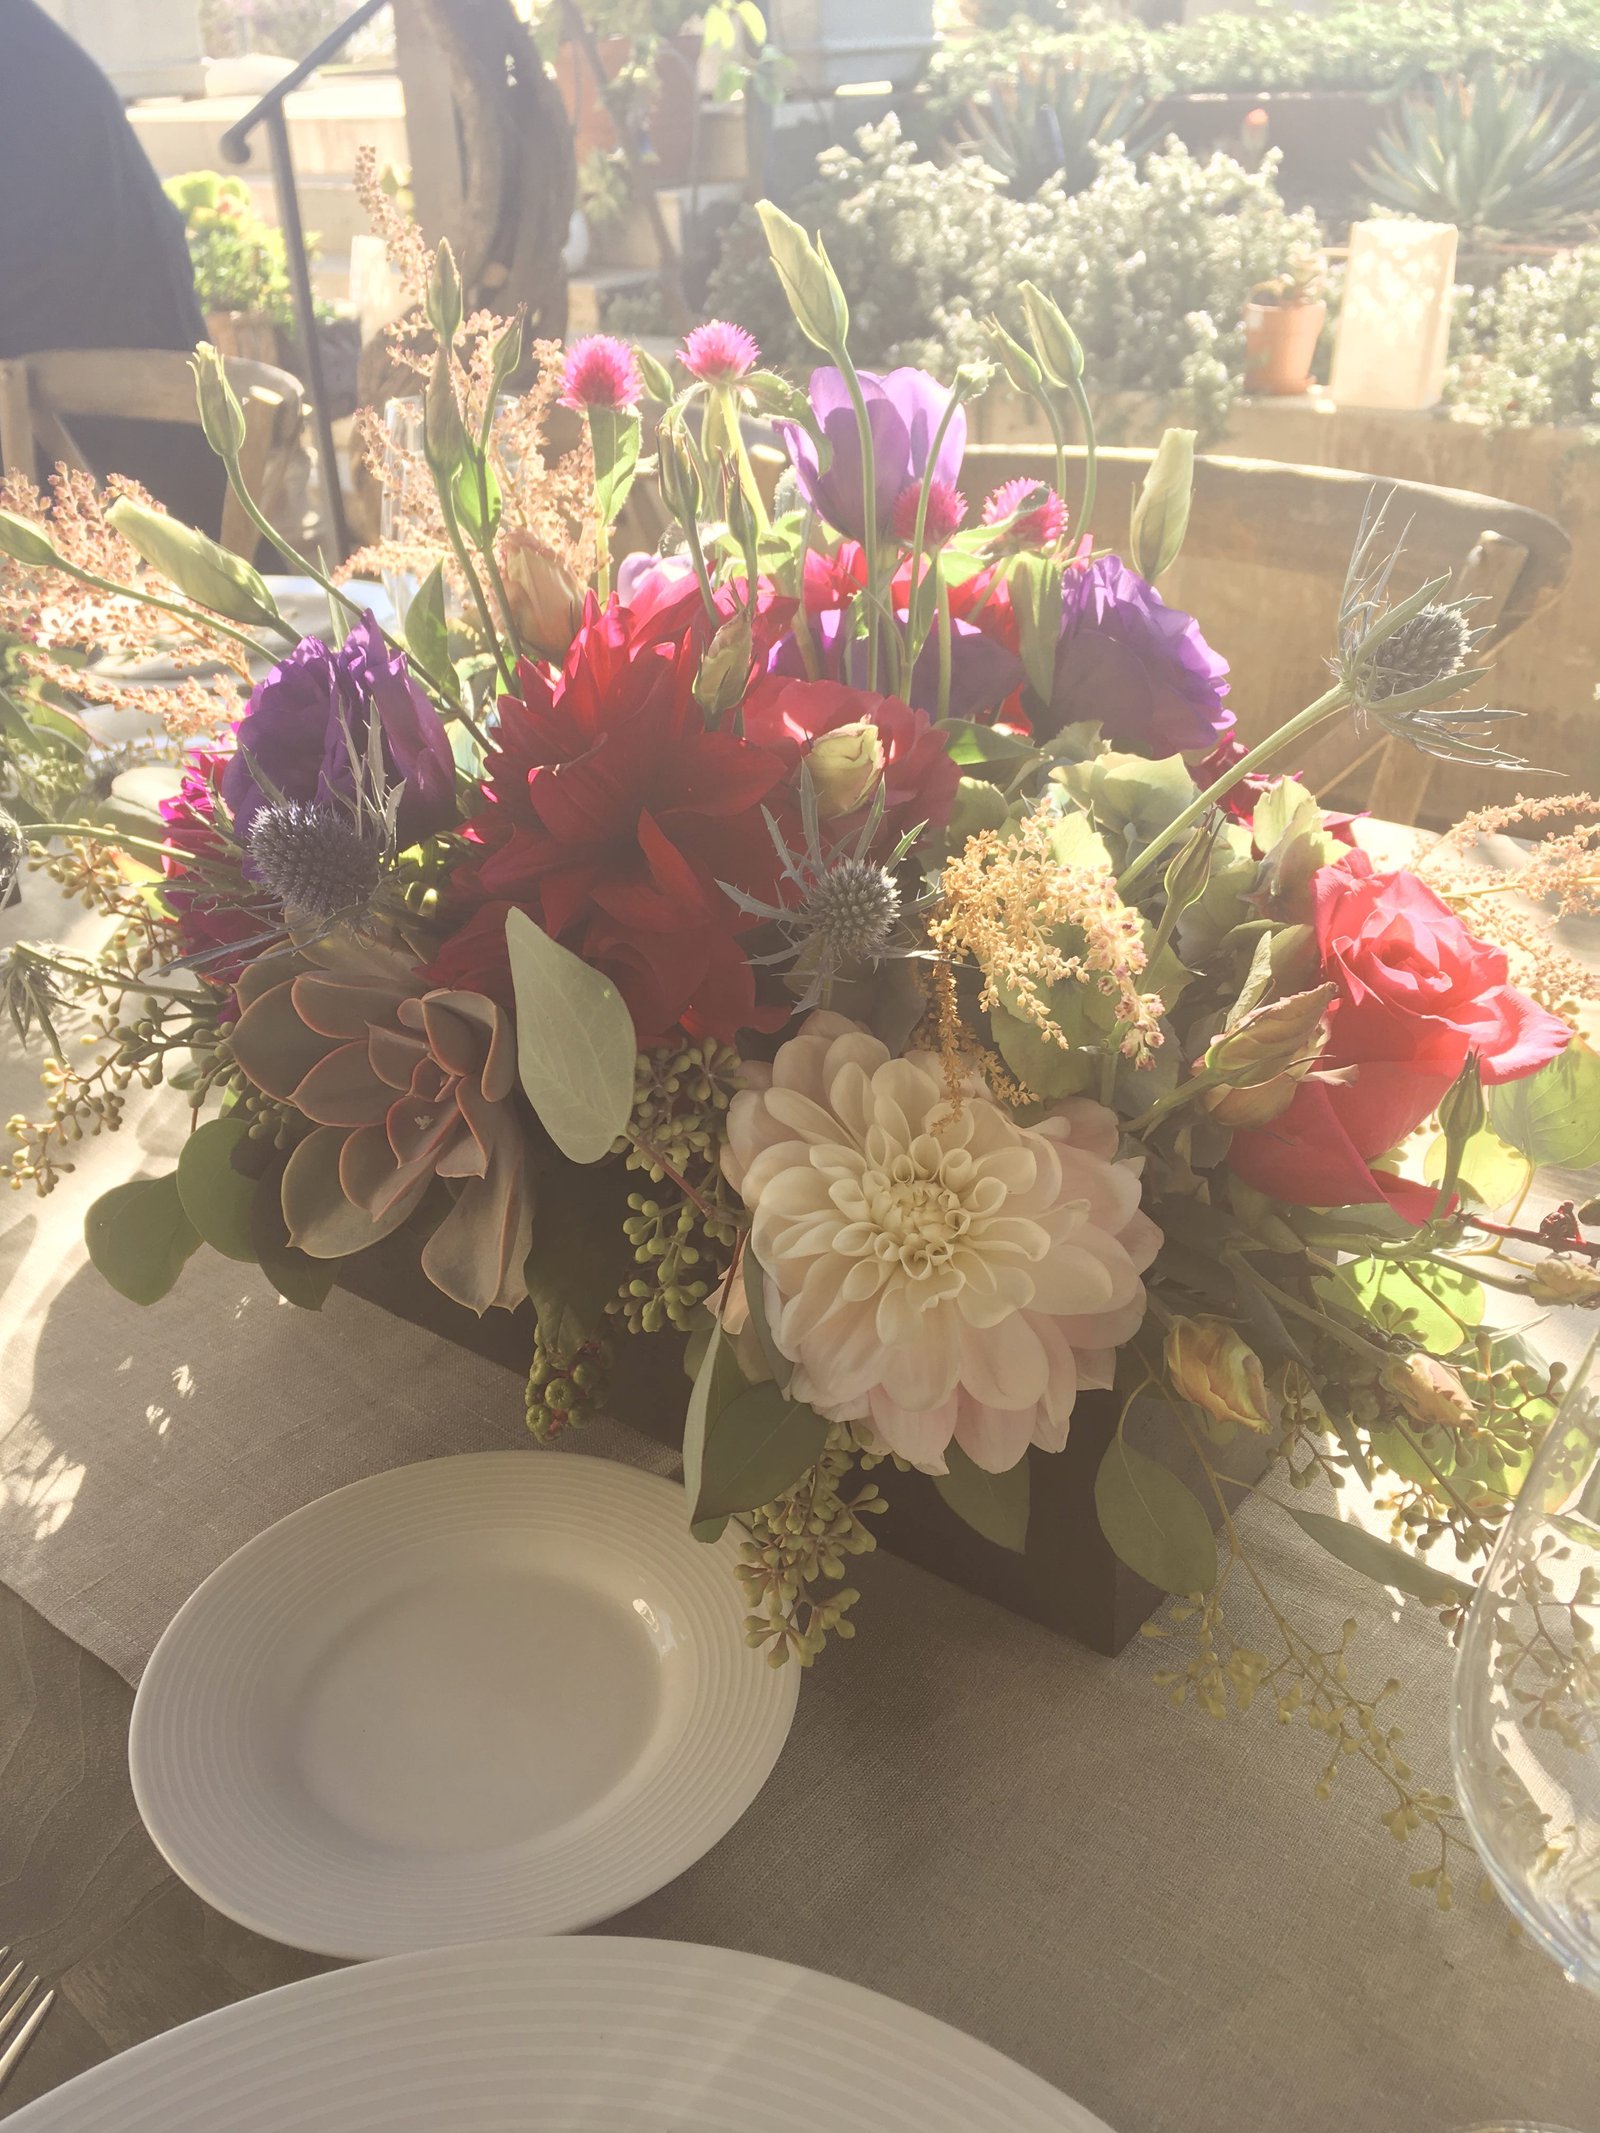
(403, 1084)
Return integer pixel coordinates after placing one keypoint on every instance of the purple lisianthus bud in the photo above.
(1139, 668)
(904, 410)
(305, 731)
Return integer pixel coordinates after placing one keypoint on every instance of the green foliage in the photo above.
(1379, 1560)
(1154, 1522)
(995, 1505)
(1528, 349)
(1492, 150)
(1041, 122)
(139, 1237)
(1350, 44)
(1152, 271)
(239, 261)
(575, 1043)
(756, 1446)
(1553, 1116)
(217, 1198)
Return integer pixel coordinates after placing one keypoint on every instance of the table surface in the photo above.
(974, 1815)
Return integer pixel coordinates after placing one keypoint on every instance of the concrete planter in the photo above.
(1324, 134)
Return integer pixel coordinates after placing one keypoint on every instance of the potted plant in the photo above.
(241, 273)
(1283, 321)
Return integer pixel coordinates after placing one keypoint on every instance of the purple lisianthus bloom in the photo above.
(904, 410)
(1139, 668)
(982, 672)
(306, 728)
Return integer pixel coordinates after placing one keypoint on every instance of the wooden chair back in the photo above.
(1264, 565)
(41, 396)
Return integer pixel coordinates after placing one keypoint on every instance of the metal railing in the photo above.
(269, 112)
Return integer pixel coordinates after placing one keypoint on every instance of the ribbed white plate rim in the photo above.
(188, 1744)
(602, 2035)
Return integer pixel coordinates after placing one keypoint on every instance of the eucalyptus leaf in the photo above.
(208, 573)
(1553, 1116)
(1491, 1174)
(139, 1237)
(576, 1046)
(755, 1289)
(217, 1198)
(1440, 1307)
(756, 1446)
(988, 749)
(995, 1505)
(717, 1380)
(1379, 1560)
(1154, 1522)
(298, 1278)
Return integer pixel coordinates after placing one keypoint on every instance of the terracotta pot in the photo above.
(243, 333)
(1280, 341)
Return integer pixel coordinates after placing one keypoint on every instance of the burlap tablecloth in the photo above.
(972, 1814)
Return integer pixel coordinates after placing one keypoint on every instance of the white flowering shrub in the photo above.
(1153, 269)
(1528, 349)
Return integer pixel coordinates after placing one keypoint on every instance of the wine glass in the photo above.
(1525, 1737)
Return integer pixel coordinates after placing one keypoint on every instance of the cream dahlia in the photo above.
(933, 1269)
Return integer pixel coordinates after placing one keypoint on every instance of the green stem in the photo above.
(1052, 416)
(1303, 723)
(941, 594)
(485, 547)
(917, 637)
(869, 505)
(103, 833)
(1091, 468)
(1196, 1085)
(725, 400)
(802, 621)
(463, 557)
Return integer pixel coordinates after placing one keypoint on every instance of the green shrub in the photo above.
(1528, 350)
(239, 260)
(1357, 44)
(1152, 271)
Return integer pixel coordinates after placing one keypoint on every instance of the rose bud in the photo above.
(845, 765)
(1264, 1056)
(1209, 1364)
(546, 602)
(1430, 1392)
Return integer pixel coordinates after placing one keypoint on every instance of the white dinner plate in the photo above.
(586, 2036)
(488, 1695)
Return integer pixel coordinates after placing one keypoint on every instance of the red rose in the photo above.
(1416, 995)
(919, 775)
(613, 816)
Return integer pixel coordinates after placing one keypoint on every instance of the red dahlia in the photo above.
(612, 816)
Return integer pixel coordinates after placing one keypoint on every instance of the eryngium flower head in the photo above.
(12, 847)
(1430, 647)
(314, 858)
(850, 912)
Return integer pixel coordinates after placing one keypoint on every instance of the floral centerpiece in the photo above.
(845, 951)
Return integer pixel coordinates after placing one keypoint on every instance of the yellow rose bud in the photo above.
(1264, 1056)
(546, 602)
(845, 765)
(1209, 1364)
(1430, 1392)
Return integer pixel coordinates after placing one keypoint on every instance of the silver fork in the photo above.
(22, 2008)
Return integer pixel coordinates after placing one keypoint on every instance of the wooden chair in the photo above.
(1264, 564)
(42, 395)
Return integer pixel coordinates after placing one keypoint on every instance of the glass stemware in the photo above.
(1525, 1739)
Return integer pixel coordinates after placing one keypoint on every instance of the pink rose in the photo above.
(1417, 993)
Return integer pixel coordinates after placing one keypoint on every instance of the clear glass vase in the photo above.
(1526, 1729)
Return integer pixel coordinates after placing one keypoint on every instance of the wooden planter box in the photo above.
(1068, 1579)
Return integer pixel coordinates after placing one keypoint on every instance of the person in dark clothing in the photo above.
(92, 253)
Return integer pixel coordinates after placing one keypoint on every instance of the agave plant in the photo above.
(1491, 150)
(1045, 121)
